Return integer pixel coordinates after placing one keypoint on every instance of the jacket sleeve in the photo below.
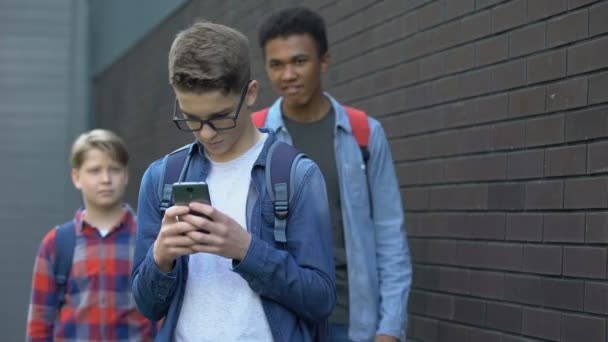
(392, 251)
(152, 289)
(302, 277)
(43, 309)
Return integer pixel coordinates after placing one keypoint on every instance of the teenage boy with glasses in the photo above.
(224, 278)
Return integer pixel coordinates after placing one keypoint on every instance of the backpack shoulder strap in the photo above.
(259, 117)
(360, 125)
(65, 242)
(361, 131)
(280, 170)
(174, 164)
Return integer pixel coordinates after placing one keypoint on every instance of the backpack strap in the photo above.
(358, 122)
(175, 165)
(280, 170)
(65, 243)
(259, 117)
(361, 131)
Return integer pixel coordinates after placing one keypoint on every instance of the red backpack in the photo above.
(358, 122)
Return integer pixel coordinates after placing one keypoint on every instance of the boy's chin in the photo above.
(106, 204)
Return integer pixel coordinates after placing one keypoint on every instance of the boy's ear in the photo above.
(325, 59)
(126, 175)
(252, 94)
(75, 178)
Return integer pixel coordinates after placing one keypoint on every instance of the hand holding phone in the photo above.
(186, 192)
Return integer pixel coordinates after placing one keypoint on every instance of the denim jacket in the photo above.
(378, 259)
(296, 282)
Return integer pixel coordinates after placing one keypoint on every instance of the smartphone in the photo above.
(186, 192)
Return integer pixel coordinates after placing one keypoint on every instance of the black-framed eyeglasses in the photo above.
(217, 124)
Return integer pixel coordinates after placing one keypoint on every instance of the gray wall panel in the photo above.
(43, 106)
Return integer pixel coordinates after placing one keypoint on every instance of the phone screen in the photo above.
(186, 192)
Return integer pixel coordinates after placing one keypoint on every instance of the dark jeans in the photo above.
(338, 333)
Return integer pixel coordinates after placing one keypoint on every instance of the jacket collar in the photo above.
(274, 118)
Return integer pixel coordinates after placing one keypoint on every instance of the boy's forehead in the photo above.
(293, 44)
(203, 103)
(95, 154)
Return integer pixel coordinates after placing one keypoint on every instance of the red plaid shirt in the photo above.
(98, 305)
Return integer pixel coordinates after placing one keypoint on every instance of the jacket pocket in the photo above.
(356, 185)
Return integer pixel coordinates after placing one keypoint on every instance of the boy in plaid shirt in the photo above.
(98, 303)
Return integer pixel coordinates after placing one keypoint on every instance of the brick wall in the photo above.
(497, 115)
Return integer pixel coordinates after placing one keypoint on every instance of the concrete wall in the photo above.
(43, 104)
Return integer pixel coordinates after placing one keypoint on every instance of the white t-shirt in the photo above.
(218, 303)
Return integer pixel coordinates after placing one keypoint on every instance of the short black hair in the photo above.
(294, 20)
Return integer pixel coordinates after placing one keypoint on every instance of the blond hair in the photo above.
(102, 140)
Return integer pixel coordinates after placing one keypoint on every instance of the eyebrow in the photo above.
(218, 114)
(292, 58)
